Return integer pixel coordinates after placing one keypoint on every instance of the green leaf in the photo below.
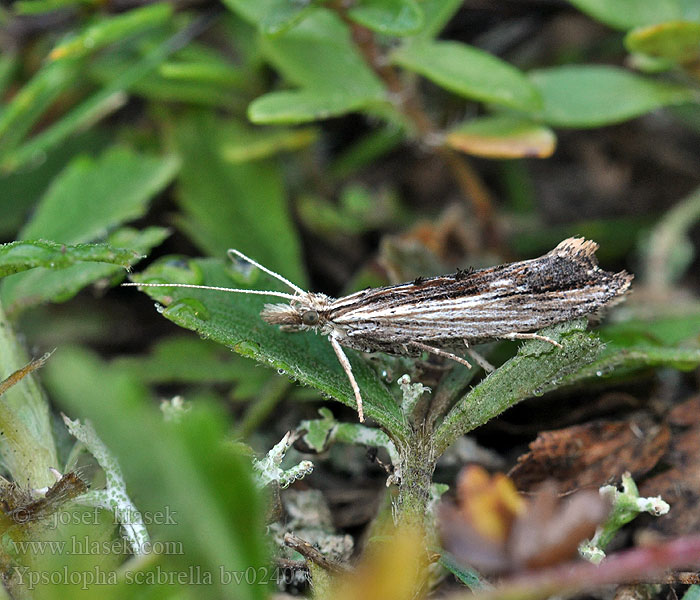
(626, 14)
(40, 285)
(169, 84)
(29, 254)
(436, 14)
(88, 199)
(20, 191)
(358, 210)
(677, 41)
(187, 359)
(643, 63)
(641, 344)
(213, 70)
(185, 474)
(35, 7)
(253, 12)
(469, 72)
(692, 593)
(593, 95)
(95, 107)
(92, 196)
(253, 144)
(27, 448)
(536, 367)
(291, 108)
(234, 320)
(109, 30)
(64, 70)
(229, 205)
(389, 17)
(321, 433)
(318, 430)
(32, 100)
(283, 14)
(502, 137)
(623, 360)
(196, 74)
(463, 573)
(319, 54)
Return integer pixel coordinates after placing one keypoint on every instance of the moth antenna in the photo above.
(277, 276)
(211, 287)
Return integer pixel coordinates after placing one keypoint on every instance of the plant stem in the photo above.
(417, 465)
(468, 180)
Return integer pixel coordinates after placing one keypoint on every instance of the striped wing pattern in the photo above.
(518, 297)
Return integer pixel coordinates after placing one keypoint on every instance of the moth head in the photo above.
(305, 313)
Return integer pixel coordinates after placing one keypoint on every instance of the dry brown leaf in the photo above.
(680, 484)
(591, 455)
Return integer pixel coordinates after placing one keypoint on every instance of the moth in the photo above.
(441, 315)
(22, 507)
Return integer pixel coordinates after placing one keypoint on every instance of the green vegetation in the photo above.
(342, 145)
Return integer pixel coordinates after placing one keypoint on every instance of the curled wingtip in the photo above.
(577, 246)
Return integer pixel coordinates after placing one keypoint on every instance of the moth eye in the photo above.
(309, 317)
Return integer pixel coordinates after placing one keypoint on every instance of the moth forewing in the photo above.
(515, 298)
(510, 301)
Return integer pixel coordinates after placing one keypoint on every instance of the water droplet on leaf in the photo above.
(175, 269)
(247, 348)
(241, 272)
(187, 308)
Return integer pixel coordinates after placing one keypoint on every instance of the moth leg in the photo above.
(480, 360)
(439, 352)
(345, 363)
(530, 336)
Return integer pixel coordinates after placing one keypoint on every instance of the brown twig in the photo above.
(313, 554)
(468, 180)
(20, 374)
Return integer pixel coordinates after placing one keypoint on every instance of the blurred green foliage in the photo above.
(119, 129)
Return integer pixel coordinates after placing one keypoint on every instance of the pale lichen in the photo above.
(113, 497)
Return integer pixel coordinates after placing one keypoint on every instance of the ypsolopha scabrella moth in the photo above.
(441, 314)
